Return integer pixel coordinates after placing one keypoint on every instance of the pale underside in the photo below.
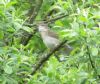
(51, 42)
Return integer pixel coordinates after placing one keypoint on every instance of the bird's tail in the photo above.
(63, 52)
(66, 49)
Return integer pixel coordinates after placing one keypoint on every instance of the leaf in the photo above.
(8, 69)
(27, 29)
(94, 51)
(84, 74)
(98, 70)
(75, 26)
(11, 30)
(9, 4)
(11, 81)
(82, 32)
(83, 19)
(1, 34)
(1, 60)
(58, 23)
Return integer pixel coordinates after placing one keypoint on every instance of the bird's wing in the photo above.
(53, 34)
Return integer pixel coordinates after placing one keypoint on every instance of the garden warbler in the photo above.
(51, 39)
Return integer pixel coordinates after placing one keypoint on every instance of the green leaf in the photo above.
(83, 19)
(8, 69)
(11, 3)
(94, 51)
(27, 29)
(58, 23)
(1, 34)
(75, 26)
(82, 32)
(11, 30)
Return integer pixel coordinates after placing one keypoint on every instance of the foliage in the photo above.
(81, 28)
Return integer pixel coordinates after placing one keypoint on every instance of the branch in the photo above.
(46, 57)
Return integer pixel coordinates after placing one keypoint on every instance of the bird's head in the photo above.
(42, 27)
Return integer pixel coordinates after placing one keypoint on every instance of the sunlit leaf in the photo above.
(27, 29)
(58, 23)
(1, 34)
(8, 69)
(94, 51)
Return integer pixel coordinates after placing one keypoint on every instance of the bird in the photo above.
(51, 39)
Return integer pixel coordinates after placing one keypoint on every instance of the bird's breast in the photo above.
(50, 42)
